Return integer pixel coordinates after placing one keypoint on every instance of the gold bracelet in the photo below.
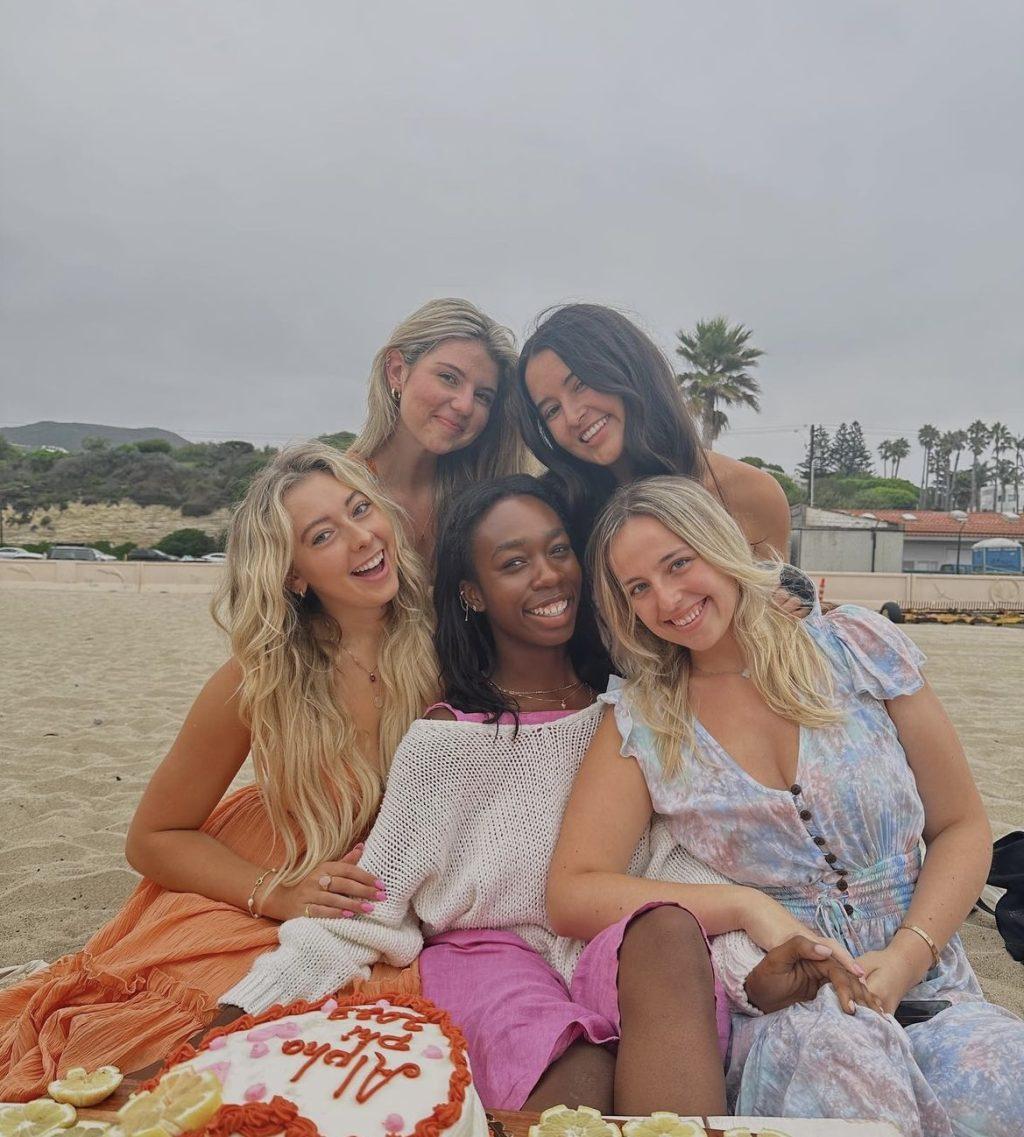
(927, 939)
(251, 902)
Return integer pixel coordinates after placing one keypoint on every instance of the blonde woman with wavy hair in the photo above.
(438, 413)
(807, 761)
(326, 607)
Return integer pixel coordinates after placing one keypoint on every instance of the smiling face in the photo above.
(446, 395)
(343, 544)
(589, 424)
(528, 579)
(675, 593)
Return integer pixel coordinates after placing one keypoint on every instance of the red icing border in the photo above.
(280, 1116)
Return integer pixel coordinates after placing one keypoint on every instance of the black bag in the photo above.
(1008, 872)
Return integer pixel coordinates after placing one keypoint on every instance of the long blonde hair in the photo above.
(321, 788)
(499, 450)
(785, 664)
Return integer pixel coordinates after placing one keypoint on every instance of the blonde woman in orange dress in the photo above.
(327, 610)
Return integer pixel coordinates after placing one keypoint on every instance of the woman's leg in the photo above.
(582, 1076)
(669, 1055)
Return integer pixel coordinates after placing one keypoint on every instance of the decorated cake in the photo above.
(340, 1068)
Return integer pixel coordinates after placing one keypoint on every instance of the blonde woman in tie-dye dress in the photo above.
(810, 760)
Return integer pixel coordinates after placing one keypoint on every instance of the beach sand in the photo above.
(93, 688)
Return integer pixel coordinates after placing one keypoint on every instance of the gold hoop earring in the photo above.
(396, 394)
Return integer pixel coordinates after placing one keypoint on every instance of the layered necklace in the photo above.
(536, 696)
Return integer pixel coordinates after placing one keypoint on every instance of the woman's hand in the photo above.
(891, 973)
(795, 971)
(794, 606)
(334, 889)
(769, 924)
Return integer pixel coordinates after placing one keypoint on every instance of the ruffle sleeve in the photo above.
(883, 661)
(636, 738)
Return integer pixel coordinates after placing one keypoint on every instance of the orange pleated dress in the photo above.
(151, 977)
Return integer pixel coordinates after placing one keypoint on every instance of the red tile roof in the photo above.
(935, 522)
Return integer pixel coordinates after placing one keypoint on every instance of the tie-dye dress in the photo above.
(841, 849)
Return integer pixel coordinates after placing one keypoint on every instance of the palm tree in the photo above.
(1018, 466)
(885, 453)
(1001, 439)
(977, 439)
(952, 443)
(720, 357)
(898, 450)
(927, 437)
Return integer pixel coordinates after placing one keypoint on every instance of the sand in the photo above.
(93, 688)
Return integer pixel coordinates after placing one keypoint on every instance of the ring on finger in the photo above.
(306, 911)
(325, 881)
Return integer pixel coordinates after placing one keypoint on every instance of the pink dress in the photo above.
(514, 1008)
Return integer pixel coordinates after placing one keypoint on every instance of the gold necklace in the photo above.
(568, 689)
(378, 700)
(744, 674)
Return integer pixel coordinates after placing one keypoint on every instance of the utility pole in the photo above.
(810, 470)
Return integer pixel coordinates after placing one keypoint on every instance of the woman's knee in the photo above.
(666, 941)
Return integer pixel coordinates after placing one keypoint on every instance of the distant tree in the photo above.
(154, 446)
(94, 445)
(720, 359)
(761, 464)
(977, 440)
(900, 450)
(1000, 439)
(850, 454)
(1018, 469)
(340, 440)
(186, 543)
(927, 437)
(885, 453)
(824, 449)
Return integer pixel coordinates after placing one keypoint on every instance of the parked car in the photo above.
(77, 553)
(149, 555)
(215, 558)
(17, 553)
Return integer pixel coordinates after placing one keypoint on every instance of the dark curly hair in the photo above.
(465, 647)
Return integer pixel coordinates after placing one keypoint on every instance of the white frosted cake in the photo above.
(340, 1068)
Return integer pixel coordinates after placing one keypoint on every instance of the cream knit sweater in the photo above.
(463, 840)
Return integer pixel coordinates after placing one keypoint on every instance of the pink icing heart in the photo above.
(330, 1006)
(219, 1070)
(394, 1122)
(255, 1092)
(433, 1052)
(258, 1050)
(217, 1043)
(274, 1030)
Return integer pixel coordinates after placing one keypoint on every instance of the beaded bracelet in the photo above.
(251, 902)
(927, 939)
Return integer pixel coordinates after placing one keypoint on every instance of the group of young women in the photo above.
(653, 838)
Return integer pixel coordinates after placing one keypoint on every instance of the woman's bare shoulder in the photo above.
(754, 498)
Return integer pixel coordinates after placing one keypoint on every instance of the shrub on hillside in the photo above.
(186, 543)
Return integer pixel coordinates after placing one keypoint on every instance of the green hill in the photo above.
(70, 435)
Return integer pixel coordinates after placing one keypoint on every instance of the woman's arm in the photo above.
(958, 839)
(588, 889)
(757, 502)
(165, 842)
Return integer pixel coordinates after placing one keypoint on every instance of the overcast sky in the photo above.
(213, 212)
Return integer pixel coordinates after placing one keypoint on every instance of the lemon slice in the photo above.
(81, 1088)
(560, 1121)
(39, 1118)
(86, 1129)
(663, 1124)
(181, 1101)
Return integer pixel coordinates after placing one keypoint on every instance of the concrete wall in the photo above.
(923, 590)
(848, 550)
(112, 576)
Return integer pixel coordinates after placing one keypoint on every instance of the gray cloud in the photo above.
(213, 212)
